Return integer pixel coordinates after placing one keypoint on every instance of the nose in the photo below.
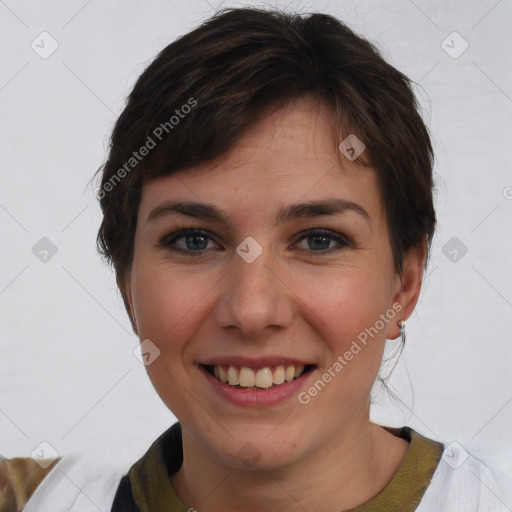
(254, 297)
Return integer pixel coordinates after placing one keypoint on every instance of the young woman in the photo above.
(268, 211)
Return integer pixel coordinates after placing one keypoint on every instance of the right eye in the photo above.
(195, 241)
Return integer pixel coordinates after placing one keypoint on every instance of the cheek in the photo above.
(164, 301)
(346, 303)
(348, 316)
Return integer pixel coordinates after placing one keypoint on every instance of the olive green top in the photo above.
(152, 488)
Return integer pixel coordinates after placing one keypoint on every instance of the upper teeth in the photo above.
(261, 378)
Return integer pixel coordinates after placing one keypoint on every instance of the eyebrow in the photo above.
(332, 206)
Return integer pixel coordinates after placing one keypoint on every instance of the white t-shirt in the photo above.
(461, 483)
(76, 485)
(464, 483)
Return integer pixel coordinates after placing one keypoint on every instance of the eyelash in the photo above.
(169, 239)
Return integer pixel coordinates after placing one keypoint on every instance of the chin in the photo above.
(259, 448)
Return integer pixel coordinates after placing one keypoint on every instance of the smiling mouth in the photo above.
(242, 377)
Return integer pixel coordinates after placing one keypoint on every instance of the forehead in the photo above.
(301, 131)
(290, 155)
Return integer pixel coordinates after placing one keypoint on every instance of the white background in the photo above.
(68, 375)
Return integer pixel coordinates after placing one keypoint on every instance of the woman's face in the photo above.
(260, 290)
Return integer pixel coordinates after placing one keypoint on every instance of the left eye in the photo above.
(321, 239)
(196, 241)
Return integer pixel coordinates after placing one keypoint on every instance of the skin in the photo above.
(319, 457)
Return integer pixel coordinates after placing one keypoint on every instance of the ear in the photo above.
(408, 285)
(124, 286)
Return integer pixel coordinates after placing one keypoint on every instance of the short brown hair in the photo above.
(227, 73)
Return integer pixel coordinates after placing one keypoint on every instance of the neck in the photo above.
(350, 469)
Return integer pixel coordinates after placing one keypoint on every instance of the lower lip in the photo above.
(257, 397)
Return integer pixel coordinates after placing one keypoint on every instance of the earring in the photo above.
(401, 324)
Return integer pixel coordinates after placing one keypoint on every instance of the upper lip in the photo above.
(250, 362)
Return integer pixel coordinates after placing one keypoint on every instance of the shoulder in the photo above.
(76, 484)
(84, 482)
(463, 482)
